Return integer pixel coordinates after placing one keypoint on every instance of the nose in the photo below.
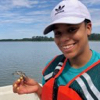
(64, 37)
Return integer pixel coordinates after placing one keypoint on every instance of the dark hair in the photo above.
(86, 21)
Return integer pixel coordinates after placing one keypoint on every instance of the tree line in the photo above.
(34, 38)
(95, 37)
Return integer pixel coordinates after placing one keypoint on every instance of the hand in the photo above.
(28, 86)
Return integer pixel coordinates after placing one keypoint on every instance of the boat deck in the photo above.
(6, 93)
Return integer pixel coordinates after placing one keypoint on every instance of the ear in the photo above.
(89, 28)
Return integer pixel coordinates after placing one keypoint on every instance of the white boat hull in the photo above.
(6, 93)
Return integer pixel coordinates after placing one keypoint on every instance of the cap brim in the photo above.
(66, 20)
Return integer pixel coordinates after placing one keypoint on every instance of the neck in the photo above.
(81, 60)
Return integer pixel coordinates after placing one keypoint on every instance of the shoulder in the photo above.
(53, 63)
(97, 54)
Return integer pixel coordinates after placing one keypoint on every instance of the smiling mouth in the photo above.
(69, 46)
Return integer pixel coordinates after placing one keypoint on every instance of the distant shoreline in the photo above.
(34, 38)
(92, 37)
(32, 41)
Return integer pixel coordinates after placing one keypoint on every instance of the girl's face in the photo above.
(72, 40)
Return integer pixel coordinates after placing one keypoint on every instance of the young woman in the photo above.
(74, 75)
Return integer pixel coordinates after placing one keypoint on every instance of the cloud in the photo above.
(21, 3)
(24, 3)
(39, 12)
(10, 4)
(28, 18)
(91, 2)
(95, 16)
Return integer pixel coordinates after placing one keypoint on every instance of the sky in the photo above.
(27, 18)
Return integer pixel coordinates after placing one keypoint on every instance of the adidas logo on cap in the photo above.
(59, 9)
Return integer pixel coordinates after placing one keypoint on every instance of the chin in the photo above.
(69, 56)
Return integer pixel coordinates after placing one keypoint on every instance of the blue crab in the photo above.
(21, 74)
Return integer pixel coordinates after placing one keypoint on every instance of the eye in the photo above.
(57, 34)
(72, 29)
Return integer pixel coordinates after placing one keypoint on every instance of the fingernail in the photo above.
(18, 80)
(21, 78)
(15, 85)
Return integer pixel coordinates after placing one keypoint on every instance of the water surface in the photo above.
(29, 57)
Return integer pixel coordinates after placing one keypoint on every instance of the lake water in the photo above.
(29, 57)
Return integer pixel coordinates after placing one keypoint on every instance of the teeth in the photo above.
(66, 47)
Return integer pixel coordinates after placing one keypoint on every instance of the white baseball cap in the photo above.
(68, 12)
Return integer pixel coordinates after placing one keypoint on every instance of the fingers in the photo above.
(15, 89)
(28, 85)
(17, 85)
